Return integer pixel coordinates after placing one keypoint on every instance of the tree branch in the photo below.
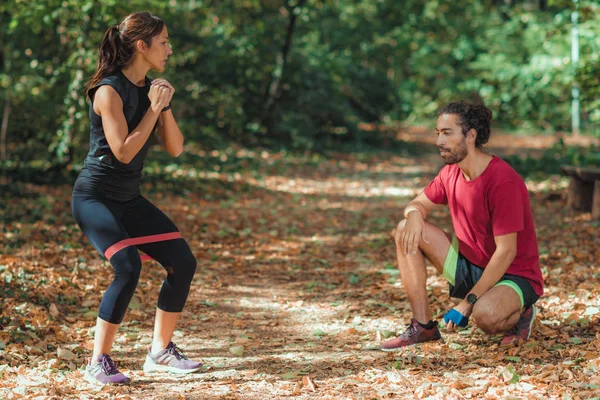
(281, 60)
(6, 113)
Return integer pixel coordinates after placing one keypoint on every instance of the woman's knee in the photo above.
(127, 266)
(189, 265)
(183, 267)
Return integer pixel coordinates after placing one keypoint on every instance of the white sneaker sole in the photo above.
(93, 381)
(151, 366)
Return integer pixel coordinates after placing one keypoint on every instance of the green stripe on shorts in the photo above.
(515, 287)
(451, 261)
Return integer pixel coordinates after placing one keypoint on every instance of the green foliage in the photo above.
(244, 73)
(553, 158)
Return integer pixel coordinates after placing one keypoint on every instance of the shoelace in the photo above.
(410, 331)
(177, 352)
(108, 366)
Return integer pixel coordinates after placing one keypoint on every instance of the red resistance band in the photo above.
(140, 240)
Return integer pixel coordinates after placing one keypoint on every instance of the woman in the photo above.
(125, 109)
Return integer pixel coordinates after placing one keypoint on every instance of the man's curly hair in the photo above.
(472, 116)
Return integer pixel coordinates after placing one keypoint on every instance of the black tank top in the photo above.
(103, 176)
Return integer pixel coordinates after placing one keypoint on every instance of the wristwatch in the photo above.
(471, 298)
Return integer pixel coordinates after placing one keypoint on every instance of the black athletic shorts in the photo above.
(462, 275)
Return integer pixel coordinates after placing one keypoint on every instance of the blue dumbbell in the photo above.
(457, 318)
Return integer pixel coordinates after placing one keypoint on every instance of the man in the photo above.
(492, 262)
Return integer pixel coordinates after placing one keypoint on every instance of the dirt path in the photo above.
(297, 277)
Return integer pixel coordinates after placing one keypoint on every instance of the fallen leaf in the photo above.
(65, 354)
(592, 311)
(290, 375)
(237, 350)
(306, 381)
(135, 303)
(318, 332)
(387, 334)
(297, 388)
(54, 310)
(242, 340)
(250, 373)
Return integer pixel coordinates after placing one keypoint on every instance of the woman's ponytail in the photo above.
(109, 54)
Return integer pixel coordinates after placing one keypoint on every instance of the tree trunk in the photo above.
(580, 194)
(281, 60)
(4, 128)
(596, 201)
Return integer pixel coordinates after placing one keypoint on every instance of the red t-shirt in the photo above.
(495, 203)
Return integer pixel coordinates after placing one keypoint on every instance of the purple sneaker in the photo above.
(170, 359)
(104, 371)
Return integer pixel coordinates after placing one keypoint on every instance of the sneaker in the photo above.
(170, 359)
(413, 335)
(104, 371)
(522, 330)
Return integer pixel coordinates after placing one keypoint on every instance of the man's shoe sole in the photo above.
(534, 312)
(411, 345)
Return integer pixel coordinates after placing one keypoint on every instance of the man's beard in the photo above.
(456, 155)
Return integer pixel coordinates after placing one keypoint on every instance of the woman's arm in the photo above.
(168, 131)
(109, 106)
(170, 134)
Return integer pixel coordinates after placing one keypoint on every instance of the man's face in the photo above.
(451, 141)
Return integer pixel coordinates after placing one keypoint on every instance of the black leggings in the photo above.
(106, 223)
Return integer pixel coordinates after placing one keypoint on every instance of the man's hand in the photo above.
(465, 309)
(412, 233)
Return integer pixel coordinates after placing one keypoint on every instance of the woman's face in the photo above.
(159, 51)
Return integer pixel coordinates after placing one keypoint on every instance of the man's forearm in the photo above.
(415, 206)
(493, 272)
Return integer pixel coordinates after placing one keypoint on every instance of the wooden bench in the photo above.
(584, 189)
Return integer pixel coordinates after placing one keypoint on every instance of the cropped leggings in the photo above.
(107, 223)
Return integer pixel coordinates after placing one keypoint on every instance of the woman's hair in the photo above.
(472, 116)
(118, 43)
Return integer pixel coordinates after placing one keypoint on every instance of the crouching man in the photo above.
(492, 261)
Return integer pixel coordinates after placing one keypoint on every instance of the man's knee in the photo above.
(487, 319)
(397, 232)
